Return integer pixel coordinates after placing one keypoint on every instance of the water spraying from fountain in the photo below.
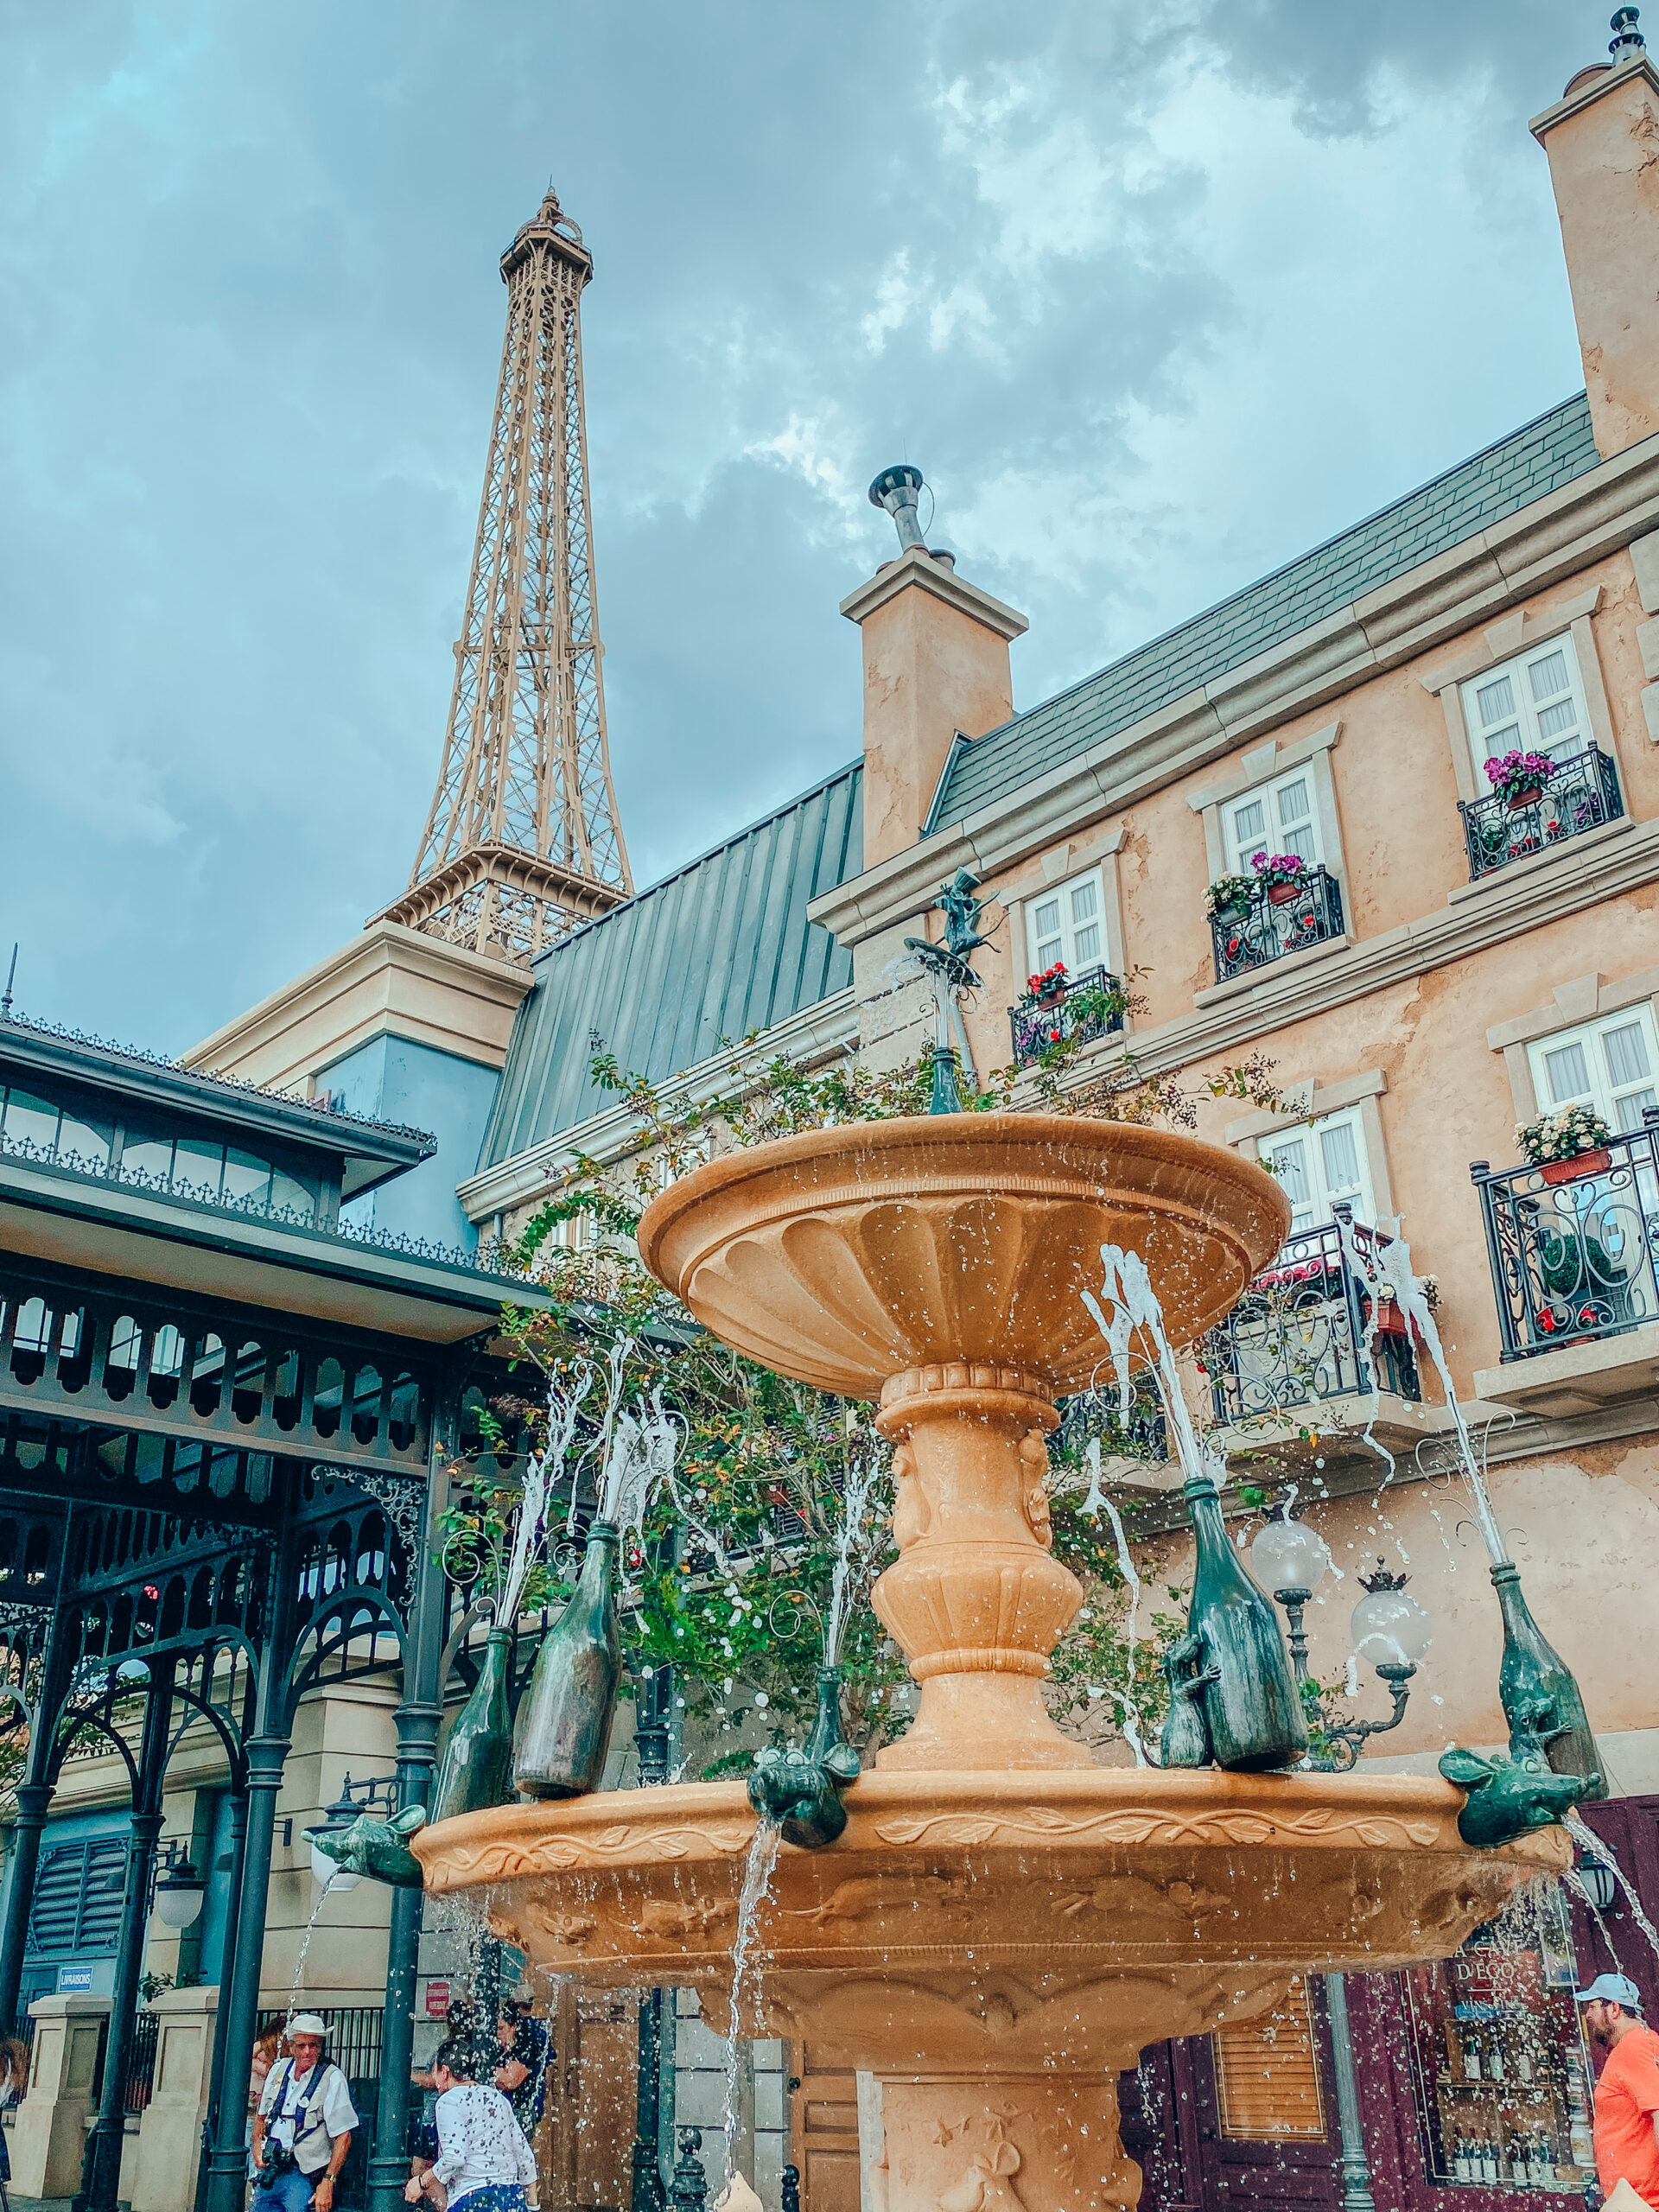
(850, 1538)
(1586, 1837)
(757, 1880)
(1093, 1505)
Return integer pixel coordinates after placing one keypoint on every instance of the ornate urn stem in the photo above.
(974, 1601)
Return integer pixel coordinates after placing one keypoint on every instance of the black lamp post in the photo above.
(653, 1702)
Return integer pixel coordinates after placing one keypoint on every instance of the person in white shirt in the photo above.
(484, 2162)
(303, 2130)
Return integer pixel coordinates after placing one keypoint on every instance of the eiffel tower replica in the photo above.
(523, 841)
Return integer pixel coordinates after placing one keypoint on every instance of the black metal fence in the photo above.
(1091, 1006)
(1266, 930)
(141, 2060)
(1573, 1259)
(1298, 1336)
(1580, 793)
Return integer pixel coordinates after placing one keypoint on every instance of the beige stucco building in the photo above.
(1450, 966)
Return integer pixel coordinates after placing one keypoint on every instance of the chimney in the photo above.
(1602, 137)
(936, 665)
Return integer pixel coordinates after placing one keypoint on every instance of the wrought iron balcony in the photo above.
(1088, 1006)
(1266, 930)
(1298, 1336)
(1581, 793)
(1573, 1259)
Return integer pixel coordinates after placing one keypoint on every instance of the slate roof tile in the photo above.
(1535, 460)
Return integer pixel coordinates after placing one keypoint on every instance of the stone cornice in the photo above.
(817, 1033)
(1590, 85)
(1473, 582)
(914, 566)
(371, 965)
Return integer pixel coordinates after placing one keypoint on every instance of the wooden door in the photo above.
(586, 2147)
(1267, 2110)
(824, 2131)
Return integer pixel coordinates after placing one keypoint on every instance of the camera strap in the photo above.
(300, 2118)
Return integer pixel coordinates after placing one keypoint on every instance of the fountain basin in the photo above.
(848, 1256)
(998, 1941)
(1001, 1926)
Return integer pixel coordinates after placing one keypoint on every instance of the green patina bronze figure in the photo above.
(950, 970)
(376, 1848)
(800, 1788)
(1508, 1798)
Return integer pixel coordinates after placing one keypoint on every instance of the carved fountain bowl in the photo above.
(847, 1256)
(990, 1920)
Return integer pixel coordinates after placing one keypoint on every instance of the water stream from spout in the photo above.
(1587, 1841)
(305, 1945)
(1131, 1708)
(757, 1879)
(861, 1474)
(1390, 1268)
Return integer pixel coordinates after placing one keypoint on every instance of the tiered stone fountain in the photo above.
(1003, 1926)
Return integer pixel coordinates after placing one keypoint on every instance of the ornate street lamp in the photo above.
(1389, 1629)
(178, 1889)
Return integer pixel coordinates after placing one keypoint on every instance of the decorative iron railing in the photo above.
(1266, 930)
(1574, 1256)
(324, 1108)
(493, 1259)
(141, 2060)
(1088, 1006)
(1298, 1336)
(1580, 793)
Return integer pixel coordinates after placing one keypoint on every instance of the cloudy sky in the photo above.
(1158, 292)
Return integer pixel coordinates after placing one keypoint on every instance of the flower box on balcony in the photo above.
(1538, 805)
(1293, 907)
(1569, 1170)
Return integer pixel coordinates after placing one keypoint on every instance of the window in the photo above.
(1322, 1166)
(1068, 924)
(37, 1122)
(1612, 1065)
(1276, 818)
(1534, 704)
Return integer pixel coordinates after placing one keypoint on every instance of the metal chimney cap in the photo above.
(903, 477)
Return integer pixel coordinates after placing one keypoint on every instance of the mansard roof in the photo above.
(720, 948)
(1530, 463)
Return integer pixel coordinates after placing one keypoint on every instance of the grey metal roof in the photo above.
(1535, 460)
(720, 948)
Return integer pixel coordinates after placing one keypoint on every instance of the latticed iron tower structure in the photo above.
(523, 841)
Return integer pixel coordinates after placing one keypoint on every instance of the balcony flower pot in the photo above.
(1515, 800)
(1281, 876)
(1584, 1163)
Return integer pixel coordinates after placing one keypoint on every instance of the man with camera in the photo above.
(302, 2131)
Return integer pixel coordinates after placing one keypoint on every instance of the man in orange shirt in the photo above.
(1627, 2094)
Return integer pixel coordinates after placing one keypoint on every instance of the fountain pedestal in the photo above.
(1001, 1926)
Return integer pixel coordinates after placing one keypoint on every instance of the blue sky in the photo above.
(1158, 292)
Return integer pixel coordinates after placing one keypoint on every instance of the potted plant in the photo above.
(1279, 875)
(1102, 1000)
(1046, 989)
(1568, 1143)
(1518, 778)
(1229, 894)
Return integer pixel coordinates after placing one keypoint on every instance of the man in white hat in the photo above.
(303, 2127)
(1627, 2091)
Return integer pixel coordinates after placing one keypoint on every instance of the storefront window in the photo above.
(1498, 2061)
